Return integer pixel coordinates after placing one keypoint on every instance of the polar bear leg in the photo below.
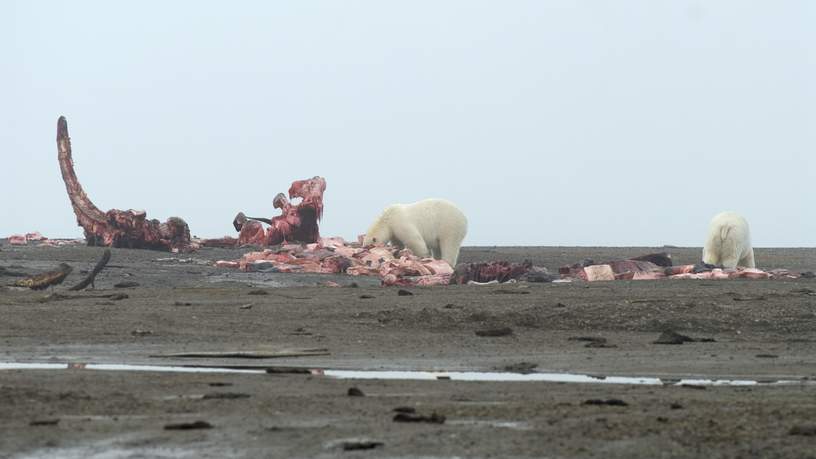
(748, 260)
(729, 258)
(729, 261)
(450, 251)
(414, 242)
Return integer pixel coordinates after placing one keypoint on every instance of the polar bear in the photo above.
(729, 242)
(431, 227)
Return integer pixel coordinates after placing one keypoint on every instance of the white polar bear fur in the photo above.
(729, 242)
(431, 227)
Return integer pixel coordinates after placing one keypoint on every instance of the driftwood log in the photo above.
(89, 279)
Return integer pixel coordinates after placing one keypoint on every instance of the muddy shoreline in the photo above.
(757, 329)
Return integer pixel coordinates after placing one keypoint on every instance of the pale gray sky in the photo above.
(548, 122)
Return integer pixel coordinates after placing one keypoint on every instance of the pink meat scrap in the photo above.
(334, 255)
(17, 239)
(637, 269)
(23, 239)
(718, 273)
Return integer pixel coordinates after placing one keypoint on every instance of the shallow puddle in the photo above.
(515, 425)
(550, 377)
(122, 367)
(425, 375)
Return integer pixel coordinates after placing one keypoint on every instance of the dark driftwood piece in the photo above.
(61, 297)
(45, 280)
(89, 280)
(272, 354)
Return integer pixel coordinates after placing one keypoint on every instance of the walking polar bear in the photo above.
(729, 242)
(431, 227)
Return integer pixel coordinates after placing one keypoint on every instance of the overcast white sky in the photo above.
(548, 122)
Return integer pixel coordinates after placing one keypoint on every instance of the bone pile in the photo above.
(23, 239)
(658, 266)
(35, 238)
(334, 256)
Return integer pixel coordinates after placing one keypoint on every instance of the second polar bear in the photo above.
(431, 227)
(729, 242)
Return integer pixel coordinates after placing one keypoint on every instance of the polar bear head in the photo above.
(380, 232)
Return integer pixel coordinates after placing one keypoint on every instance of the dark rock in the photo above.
(355, 392)
(357, 445)
(224, 396)
(405, 409)
(403, 292)
(188, 425)
(607, 402)
(288, 371)
(258, 292)
(44, 422)
(434, 418)
(494, 332)
(672, 337)
(366, 297)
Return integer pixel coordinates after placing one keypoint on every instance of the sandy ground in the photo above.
(759, 330)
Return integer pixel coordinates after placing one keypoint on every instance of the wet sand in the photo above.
(756, 329)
